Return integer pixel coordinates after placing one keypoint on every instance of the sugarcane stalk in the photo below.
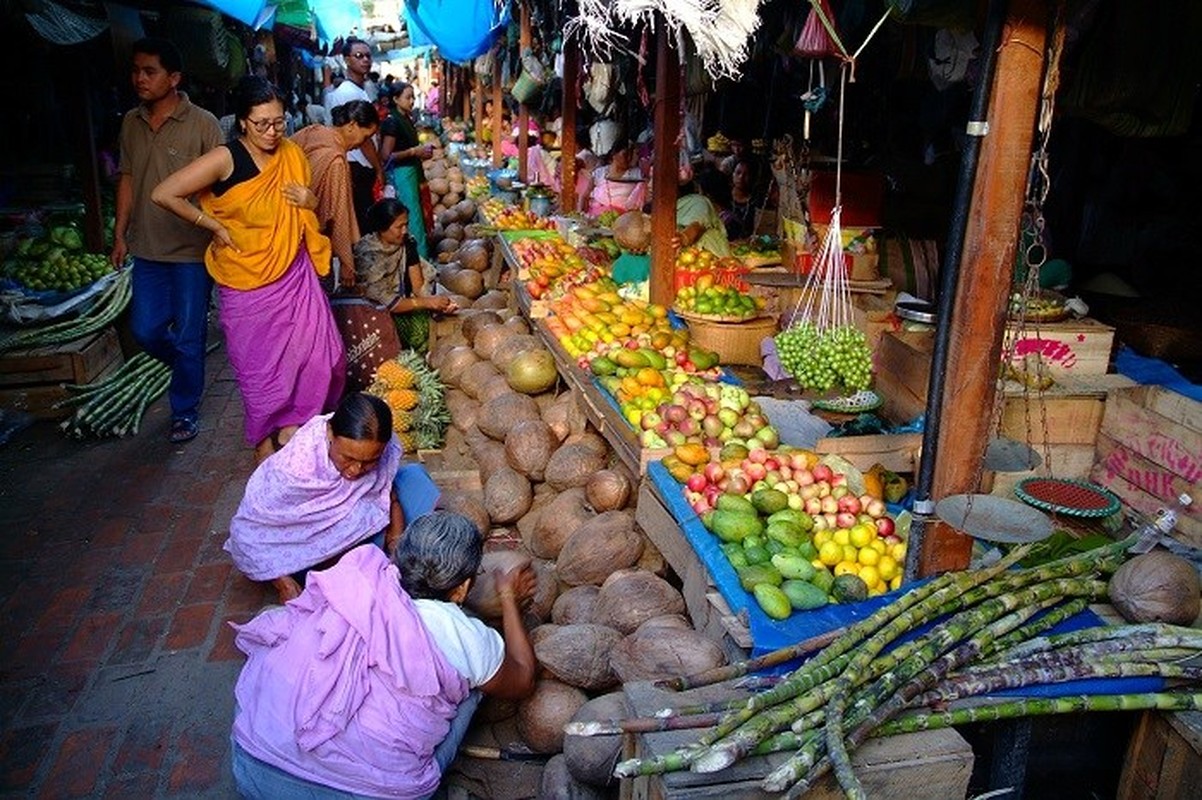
(1131, 648)
(1164, 633)
(777, 657)
(111, 302)
(147, 399)
(611, 727)
(913, 721)
(1038, 626)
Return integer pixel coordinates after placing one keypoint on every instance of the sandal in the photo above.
(183, 430)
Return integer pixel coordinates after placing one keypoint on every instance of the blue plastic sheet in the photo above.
(460, 29)
(768, 634)
(1155, 372)
(336, 18)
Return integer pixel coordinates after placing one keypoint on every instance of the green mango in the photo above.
(849, 589)
(786, 533)
(603, 366)
(799, 518)
(823, 578)
(760, 555)
(736, 503)
(754, 574)
(807, 550)
(730, 526)
(772, 600)
(655, 359)
(803, 596)
(793, 567)
(769, 501)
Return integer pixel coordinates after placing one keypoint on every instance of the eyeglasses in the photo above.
(360, 55)
(261, 125)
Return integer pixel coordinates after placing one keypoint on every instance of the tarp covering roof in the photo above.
(461, 29)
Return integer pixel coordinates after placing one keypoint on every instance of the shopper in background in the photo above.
(169, 313)
(366, 167)
(403, 154)
(266, 253)
(326, 148)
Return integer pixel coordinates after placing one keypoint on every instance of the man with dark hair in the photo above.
(364, 160)
(171, 288)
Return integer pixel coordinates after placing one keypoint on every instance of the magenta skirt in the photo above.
(286, 351)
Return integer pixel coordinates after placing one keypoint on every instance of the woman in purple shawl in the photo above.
(329, 489)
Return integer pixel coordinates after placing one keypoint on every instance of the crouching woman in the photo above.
(364, 686)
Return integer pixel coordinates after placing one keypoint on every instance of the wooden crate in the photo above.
(1074, 347)
(1164, 758)
(896, 452)
(1065, 461)
(931, 765)
(33, 380)
(1149, 453)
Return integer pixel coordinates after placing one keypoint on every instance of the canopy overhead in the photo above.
(460, 29)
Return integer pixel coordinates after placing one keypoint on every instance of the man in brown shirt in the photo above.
(169, 314)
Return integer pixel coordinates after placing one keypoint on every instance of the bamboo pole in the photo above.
(478, 109)
(523, 112)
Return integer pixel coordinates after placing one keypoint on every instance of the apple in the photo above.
(773, 476)
(736, 484)
(758, 455)
(663, 427)
(675, 413)
(822, 473)
(886, 527)
(813, 506)
(793, 487)
(862, 517)
(714, 472)
(690, 427)
(675, 438)
(803, 476)
(755, 471)
(819, 523)
(848, 502)
(712, 493)
(796, 503)
(680, 358)
(697, 482)
(839, 479)
(701, 507)
(829, 505)
(785, 472)
(875, 509)
(809, 492)
(697, 410)
(712, 441)
(772, 463)
(729, 417)
(838, 492)
(845, 519)
(711, 425)
(743, 429)
(824, 488)
(890, 538)
(830, 521)
(769, 437)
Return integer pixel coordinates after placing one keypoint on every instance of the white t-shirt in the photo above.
(344, 93)
(473, 649)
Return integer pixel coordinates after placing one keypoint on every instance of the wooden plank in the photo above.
(1188, 530)
(897, 452)
(1074, 347)
(1177, 408)
(39, 400)
(1155, 437)
(1056, 420)
(1142, 473)
(932, 765)
(523, 112)
(663, 198)
(1163, 758)
(71, 362)
(567, 132)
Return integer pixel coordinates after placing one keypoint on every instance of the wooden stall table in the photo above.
(930, 765)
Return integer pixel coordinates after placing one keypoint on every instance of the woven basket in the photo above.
(734, 342)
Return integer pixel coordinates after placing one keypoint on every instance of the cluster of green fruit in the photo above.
(774, 555)
(820, 359)
(55, 262)
(725, 301)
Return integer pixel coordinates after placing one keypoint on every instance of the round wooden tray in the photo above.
(687, 315)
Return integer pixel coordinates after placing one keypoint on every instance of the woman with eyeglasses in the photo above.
(266, 254)
(329, 489)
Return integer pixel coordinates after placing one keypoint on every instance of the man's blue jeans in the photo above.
(169, 317)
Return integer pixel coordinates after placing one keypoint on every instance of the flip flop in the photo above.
(183, 430)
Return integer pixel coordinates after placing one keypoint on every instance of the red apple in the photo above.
(875, 509)
(813, 506)
(736, 484)
(803, 477)
(848, 502)
(700, 507)
(758, 455)
(712, 493)
(798, 461)
(714, 472)
(829, 505)
(697, 482)
(755, 471)
(886, 527)
(772, 463)
(845, 519)
(822, 473)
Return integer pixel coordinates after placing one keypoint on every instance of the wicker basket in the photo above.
(734, 342)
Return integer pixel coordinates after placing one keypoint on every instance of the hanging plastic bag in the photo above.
(815, 41)
(599, 87)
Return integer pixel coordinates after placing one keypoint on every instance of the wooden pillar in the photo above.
(497, 133)
(567, 126)
(478, 109)
(466, 85)
(663, 187)
(523, 113)
(979, 319)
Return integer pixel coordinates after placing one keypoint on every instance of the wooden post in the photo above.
(567, 126)
(497, 133)
(466, 85)
(523, 113)
(664, 169)
(478, 109)
(979, 320)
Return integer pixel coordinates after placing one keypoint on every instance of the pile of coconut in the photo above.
(461, 247)
(552, 496)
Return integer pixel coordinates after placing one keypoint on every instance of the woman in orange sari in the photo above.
(266, 255)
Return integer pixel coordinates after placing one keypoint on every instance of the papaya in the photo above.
(769, 501)
(803, 596)
(679, 471)
(692, 454)
(793, 567)
(755, 574)
(631, 359)
(874, 481)
(730, 526)
(774, 602)
(849, 589)
(603, 366)
(736, 503)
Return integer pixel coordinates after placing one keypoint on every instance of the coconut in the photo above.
(1157, 586)
(492, 299)
(542, 715)
(488, 338)
(473, 254)
(652, 560)
(532, 371)
(468, 506)
(528, 446)
(591, 759)
(575, 605)
(517, 325)
(493, 709)
(565, 416)
(466, 210)
(482, 598)
(660, 653)
(602, 545)
(558, 783)
(474, 321)
(489, 456)
(463, 410)
(434, 168)
(530, 519)
(608, 490)
(447, 217)
(493, 388)
(573, 464)
(546, 590)
(578, 655)
(454, 231)
(475, 230)
(562, 517)
(438, 185)
(439, 352)
(466, 282)
(507, 495)
(512, 347)
(447, 245)
(629, 597)
(497, 417)
(456, 362)
(677, 621)
(472, 379)
(632, 231)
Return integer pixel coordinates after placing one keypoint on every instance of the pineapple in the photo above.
(395, 375)
(408, 442)
(401, 399)
(401, 421)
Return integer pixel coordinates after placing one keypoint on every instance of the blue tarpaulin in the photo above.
(245, 11)
(336, 18)
(460, 29)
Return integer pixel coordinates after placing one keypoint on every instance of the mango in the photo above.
(655, 359)
(799, 518)
(785, 533)
(823, 578)
(803, 596)
(755, 574)
(703, 359)
(793, 567)
(602, 366)
(730, 526)
(774, 602)
(631, 359)
(849, 589)
(769, 501)
(694, 455)
(759, 555)
(735, 503)
(733, 452)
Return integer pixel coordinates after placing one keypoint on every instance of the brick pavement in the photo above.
(116, 665)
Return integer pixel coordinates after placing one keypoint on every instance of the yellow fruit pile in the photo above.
(860, 551)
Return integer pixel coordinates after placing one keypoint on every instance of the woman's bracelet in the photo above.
(199, 217)
(507, 593)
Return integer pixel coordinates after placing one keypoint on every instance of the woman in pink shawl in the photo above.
(365, 684)
(329, 489)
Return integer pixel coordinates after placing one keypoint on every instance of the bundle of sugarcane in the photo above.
(114, 406)
(99, 313)
(989, 633)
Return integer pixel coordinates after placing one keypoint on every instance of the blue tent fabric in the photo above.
(460, 29)
(335, 18)
(1156, 372)
(245, 11)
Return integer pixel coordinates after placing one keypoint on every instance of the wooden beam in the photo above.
(478, 109)
(523, 112)
(979, 320)
(466, 86)
(664, 170)
(497, 133)
(567, 126)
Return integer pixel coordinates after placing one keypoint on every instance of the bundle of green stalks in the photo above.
(982, 631)
(97, 315)
(114, 406)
